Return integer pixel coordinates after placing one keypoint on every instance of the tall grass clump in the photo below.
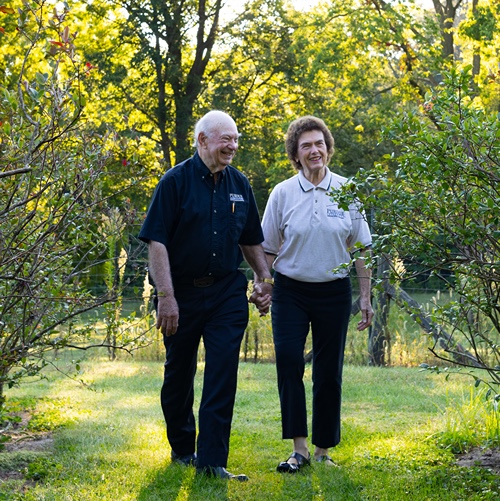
(407, 346)
(113, 227)
(153, 349)
(473, 422)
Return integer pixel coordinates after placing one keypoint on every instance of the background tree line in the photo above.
(130, 78)
(156, 66)
(159, 65)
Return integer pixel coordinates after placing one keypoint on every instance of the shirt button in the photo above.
(215, 210)
(215, 233)
(213, 254)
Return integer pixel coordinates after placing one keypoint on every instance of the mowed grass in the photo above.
(110, 441)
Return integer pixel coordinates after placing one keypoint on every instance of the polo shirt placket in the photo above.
(318, 199)
(217, 222)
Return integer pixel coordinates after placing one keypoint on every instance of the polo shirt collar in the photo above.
(307, 185)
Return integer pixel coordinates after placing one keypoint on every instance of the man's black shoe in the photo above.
(220, 472)
(186, 460)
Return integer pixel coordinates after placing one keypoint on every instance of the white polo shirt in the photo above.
(308, 232)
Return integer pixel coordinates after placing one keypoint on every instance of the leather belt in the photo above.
(206, 281)
(203, 281)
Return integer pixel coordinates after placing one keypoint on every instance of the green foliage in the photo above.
(158, 75)
(151, 68)
(482, 26)
(49, 414)
(50, 195)
(40, 469)
(436, 205)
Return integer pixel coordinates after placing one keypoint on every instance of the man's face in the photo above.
(218, 147)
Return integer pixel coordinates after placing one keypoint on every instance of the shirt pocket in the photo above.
(238, 213)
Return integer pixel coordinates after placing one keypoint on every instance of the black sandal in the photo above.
(286, 467)
(326, 459)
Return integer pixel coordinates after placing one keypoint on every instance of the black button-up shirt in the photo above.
(202, 223)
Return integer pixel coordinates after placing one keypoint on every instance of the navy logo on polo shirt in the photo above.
(235, 197)
(335, 213)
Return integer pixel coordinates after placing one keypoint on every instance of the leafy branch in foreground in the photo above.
(52, 170)
(437, 210)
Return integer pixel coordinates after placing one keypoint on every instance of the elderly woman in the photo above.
(310, 242)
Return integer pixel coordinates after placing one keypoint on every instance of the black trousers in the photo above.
(324, 308)
(219, 315)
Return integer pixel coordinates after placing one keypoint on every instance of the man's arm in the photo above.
(167, 315)
(261, 263)
(364, 279)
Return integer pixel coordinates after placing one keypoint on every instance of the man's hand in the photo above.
(167, 315)
(261, 297)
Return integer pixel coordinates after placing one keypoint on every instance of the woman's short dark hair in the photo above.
(306, 124)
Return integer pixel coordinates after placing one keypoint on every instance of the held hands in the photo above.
(261, 297)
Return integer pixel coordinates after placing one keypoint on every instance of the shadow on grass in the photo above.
(175, 482)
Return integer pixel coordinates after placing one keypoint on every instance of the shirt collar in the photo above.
(307, 185)
(202, 169)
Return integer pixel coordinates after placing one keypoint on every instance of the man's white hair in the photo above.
(210, 122)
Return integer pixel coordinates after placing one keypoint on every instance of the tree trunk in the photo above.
(476, 58)
(378, 334)
(179, 61)
(256, 347)
(245, 346)
(2, 398)
(161, 113)
(187, 87)
(183, 122)
(447, 14)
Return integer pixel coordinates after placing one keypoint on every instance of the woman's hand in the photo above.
(366, 314)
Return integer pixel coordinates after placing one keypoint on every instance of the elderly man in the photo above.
(202, 221)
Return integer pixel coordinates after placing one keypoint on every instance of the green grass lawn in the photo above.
(110, 444)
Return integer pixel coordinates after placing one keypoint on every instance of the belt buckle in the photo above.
(203, 282)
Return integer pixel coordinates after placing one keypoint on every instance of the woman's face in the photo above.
(312, 152)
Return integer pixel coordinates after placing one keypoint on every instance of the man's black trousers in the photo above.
(219, 315)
